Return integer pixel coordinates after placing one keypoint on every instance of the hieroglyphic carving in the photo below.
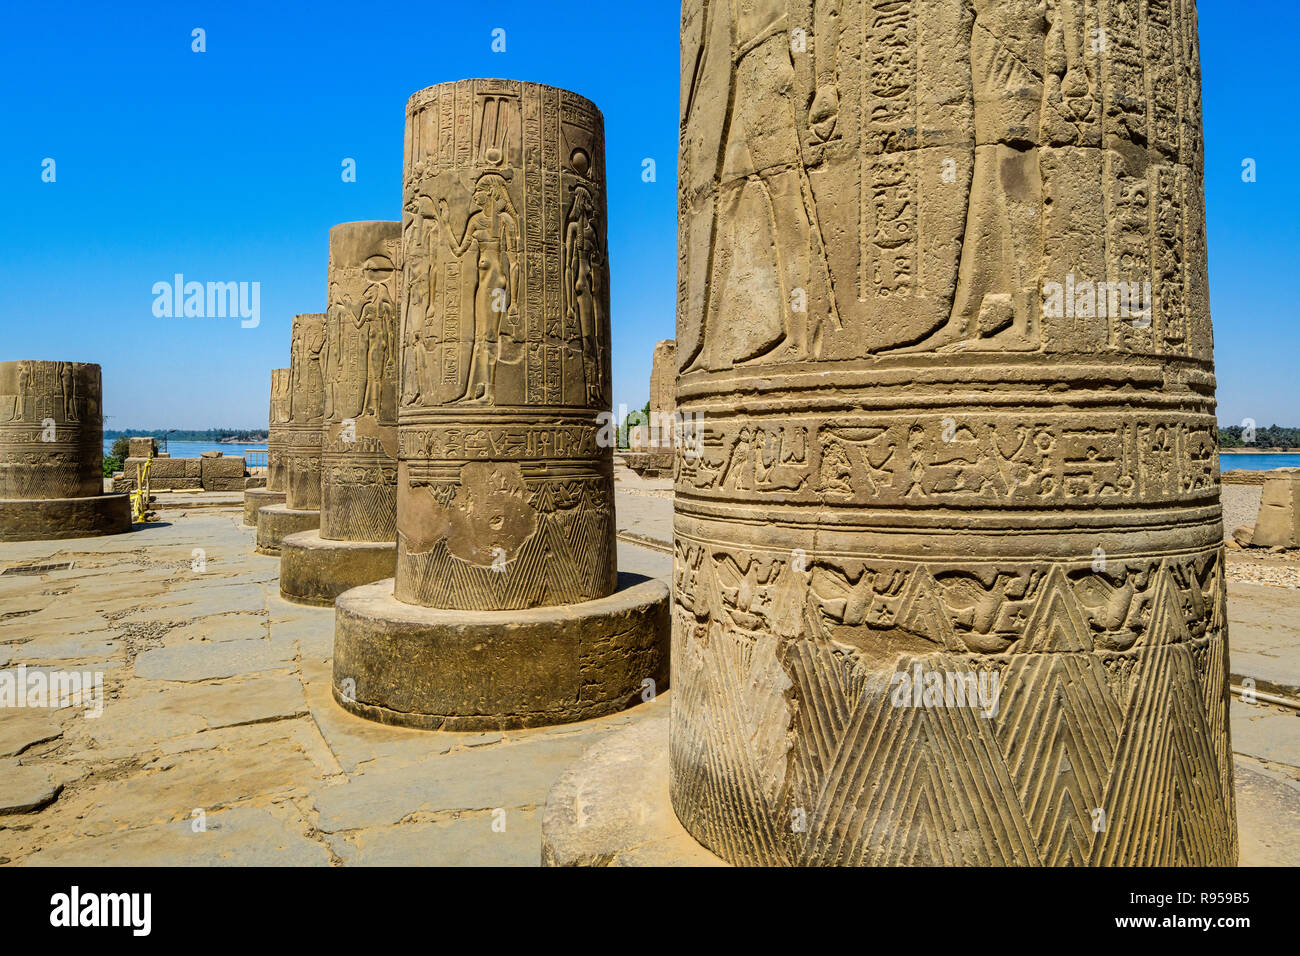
(907, 457)
(51, 430)
(361, 356)
(302, 433)
(281, 403)
(505, 499)
(939, 460)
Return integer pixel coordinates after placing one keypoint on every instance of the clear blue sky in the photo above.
(225, 165)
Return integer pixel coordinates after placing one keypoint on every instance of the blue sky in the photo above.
(226, 166)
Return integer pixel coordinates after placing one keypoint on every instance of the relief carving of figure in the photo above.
(765, 215)
(68, 391)
(295, 367)
(493, 229)
(995, 302)
(583, 286)
(313, 351)
(332, 354)
(374, 323)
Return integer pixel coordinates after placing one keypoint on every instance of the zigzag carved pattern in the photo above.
(1059, 756)
(1139, 735)
(730, 772)
(358, 512)
(915, 786)
(1164, 800)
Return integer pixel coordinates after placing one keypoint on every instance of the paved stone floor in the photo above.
(219, 743)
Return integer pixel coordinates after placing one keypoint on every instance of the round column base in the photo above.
(436, 669)
(277, 522)
(256, 498)
(314, 570)
(611, 807)
(48, 519)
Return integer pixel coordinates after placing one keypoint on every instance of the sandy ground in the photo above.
(219, 743)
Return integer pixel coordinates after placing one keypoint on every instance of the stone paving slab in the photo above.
(217, 699)
(476, 839)
(25, 789)
(1269, 734)
(1264, 637)
(215, 660)
(643, 515)
(1268, 815)
(24, 728)
(243, 836)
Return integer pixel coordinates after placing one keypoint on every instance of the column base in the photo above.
(314, 570)
(48, 519)
(255, 498)
(611, 808)
(277, 522)
(436, 669)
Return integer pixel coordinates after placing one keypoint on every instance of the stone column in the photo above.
(273, 493)
(52, 454)
(663, 390)
(650, 445)
(281, 403)
(356, 541)
(301, 435)
(944, 314)
(507, 608)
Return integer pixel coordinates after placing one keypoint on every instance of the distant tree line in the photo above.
(250, 435)
(1270, 436)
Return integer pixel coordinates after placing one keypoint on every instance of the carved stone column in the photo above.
(949, 559)
(507, 608)
(301, 449)
(52, 454)
(356, 541)
(273, 494)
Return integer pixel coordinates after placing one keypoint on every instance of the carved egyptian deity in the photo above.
(995, 297)
(765, 221)
(68, 389)
(295, 365)
(377, 319)
(281, 402)
(583, 250)
(312, 356)
(493, 232)
(302, 433)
